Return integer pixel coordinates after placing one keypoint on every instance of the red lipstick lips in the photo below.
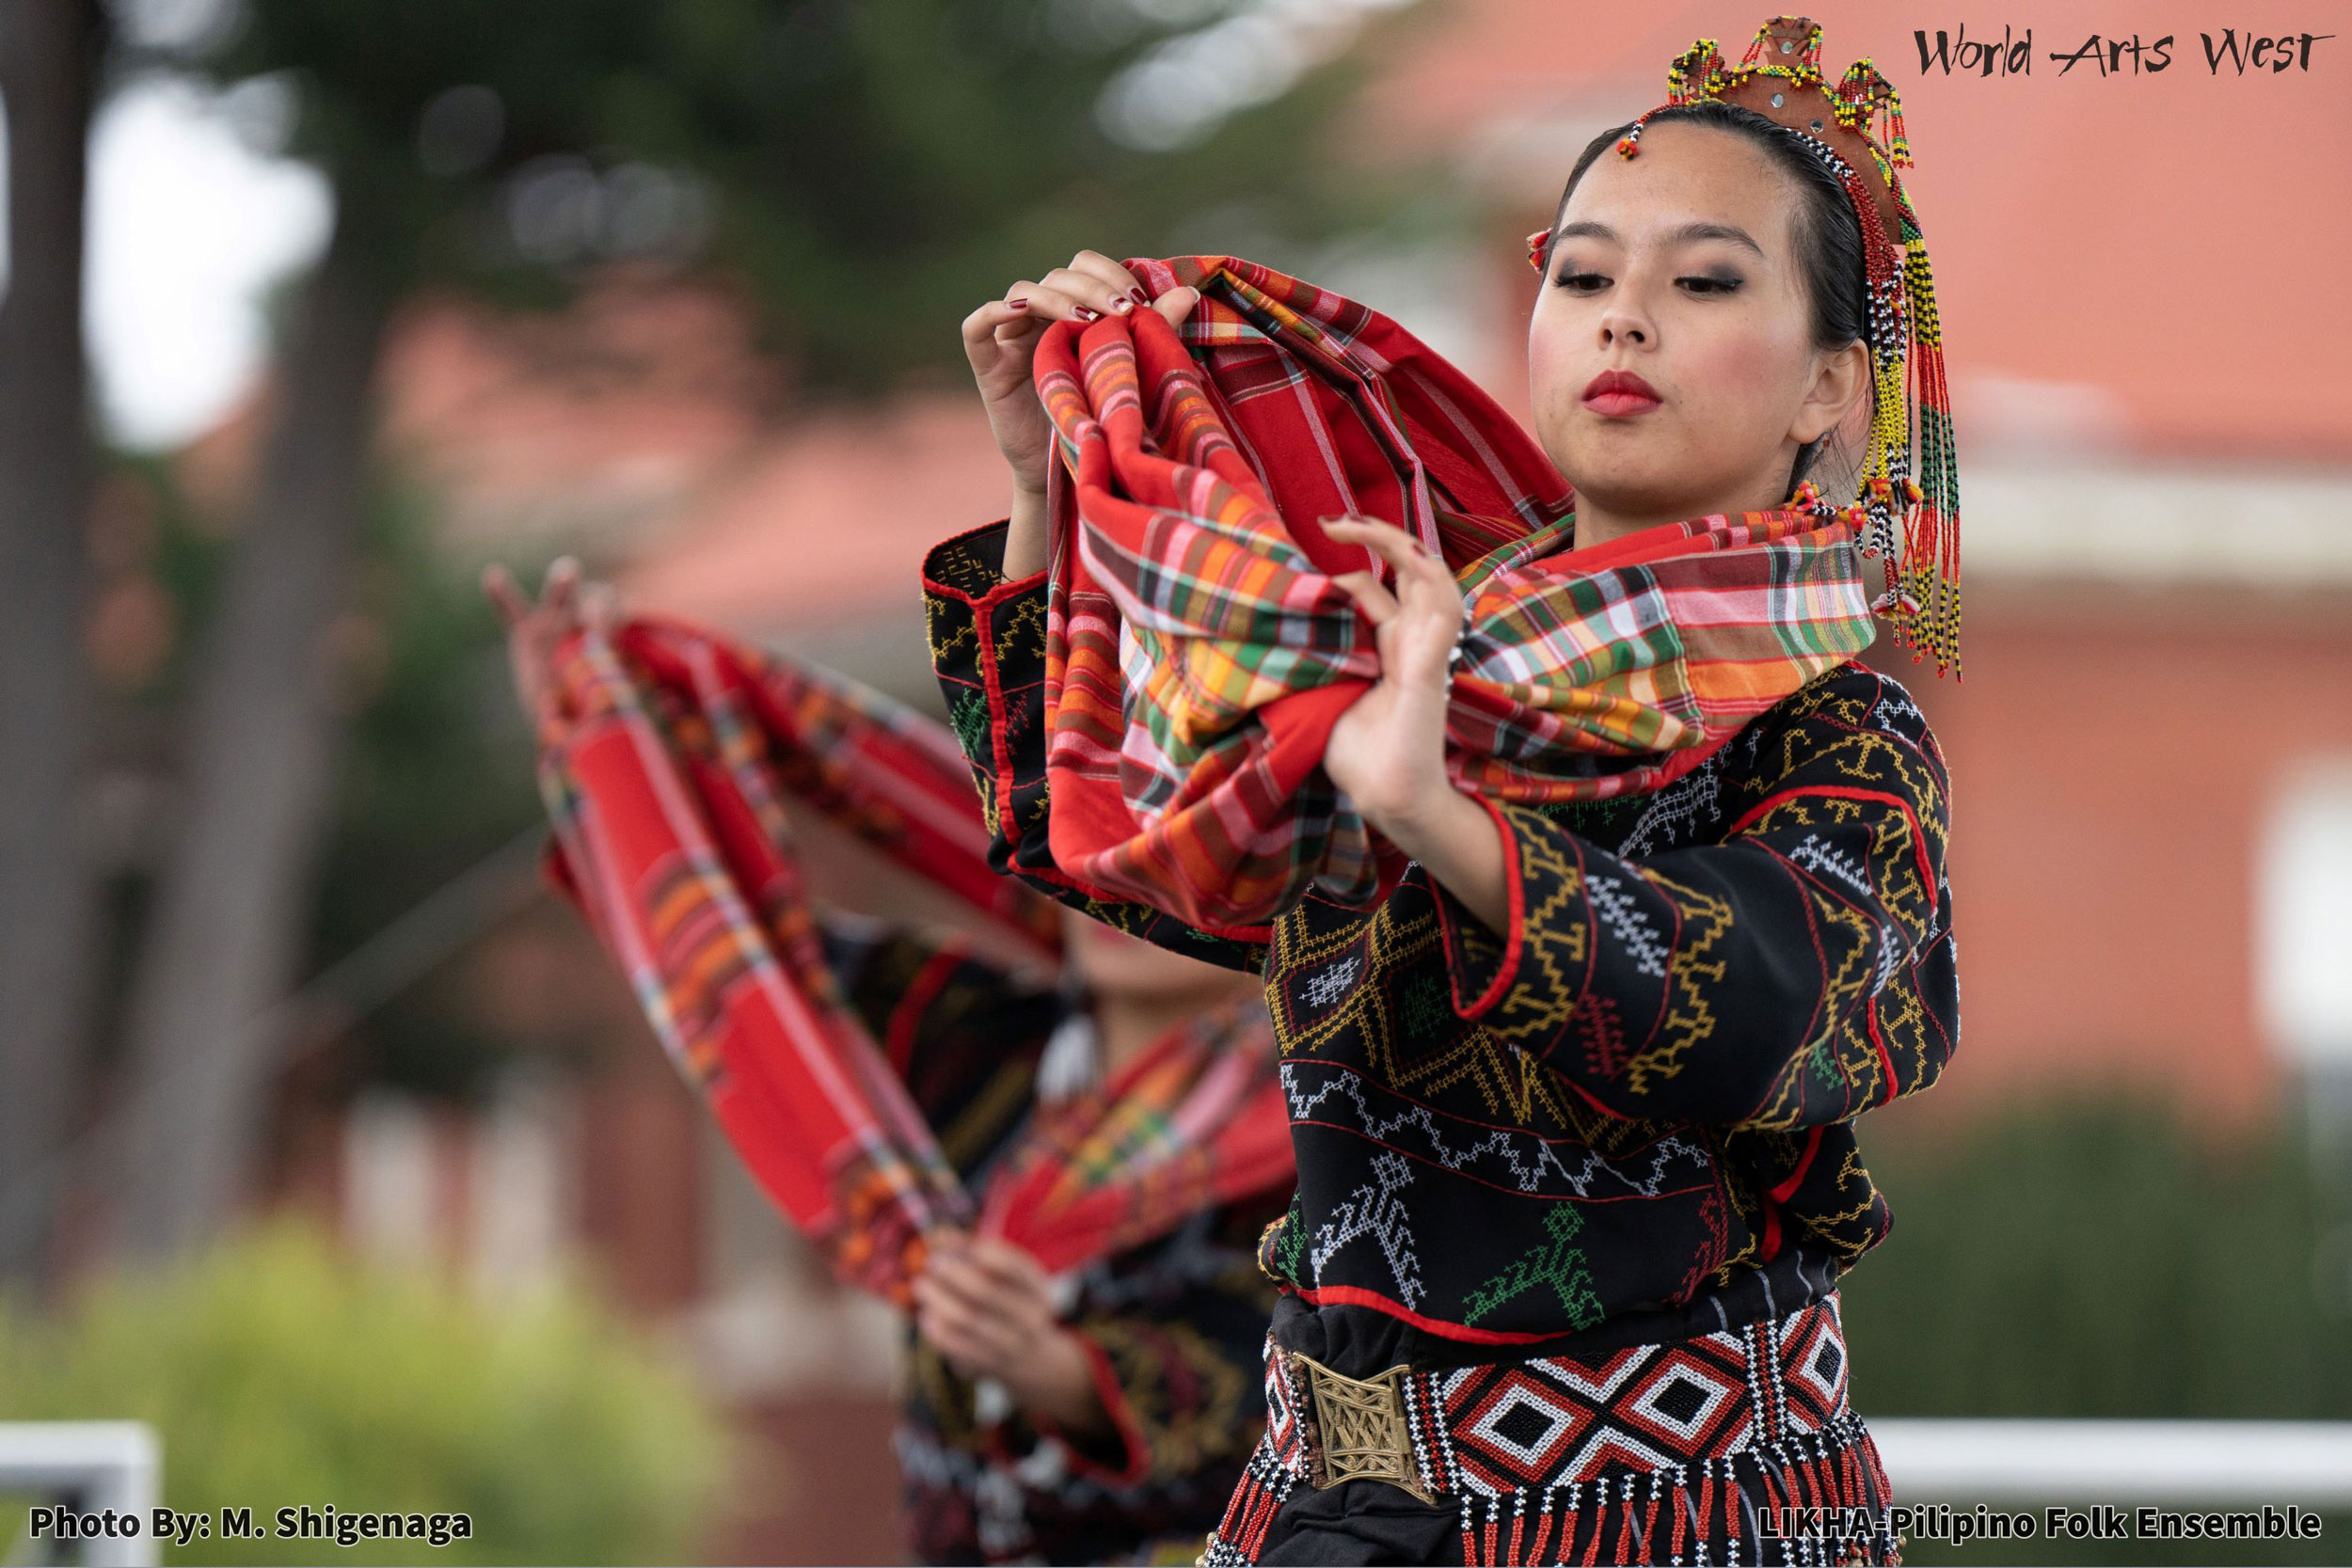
(1619, 394)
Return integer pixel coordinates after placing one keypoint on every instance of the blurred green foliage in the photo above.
(434, 771)
(2098, 1258)
(872, 169)
(281, 1375)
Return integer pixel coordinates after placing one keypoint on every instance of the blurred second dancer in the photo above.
(1103, 1414)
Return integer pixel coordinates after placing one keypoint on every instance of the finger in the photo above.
(1092, 291)
(504, 596)
(1006, 1262)
(1392, 544)
(964, 1286)
(559, 592)
(1378, 605)
(1059, 298)
(936, 1306)
(1121, 283)
(1106, 268)
(600, 607)
(1016, 1285)
(964, 1336)
(1177, 304)
(989, 318)
(947, 1335)
(1025, 325)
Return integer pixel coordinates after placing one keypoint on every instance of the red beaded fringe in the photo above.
(1657, 1517)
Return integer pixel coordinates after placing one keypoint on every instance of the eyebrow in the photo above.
(1733, 233)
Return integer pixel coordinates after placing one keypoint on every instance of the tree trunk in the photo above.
(232, 904)
(48, 906)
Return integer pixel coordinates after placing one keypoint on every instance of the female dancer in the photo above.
(1572, 1097)
(1101, 1416)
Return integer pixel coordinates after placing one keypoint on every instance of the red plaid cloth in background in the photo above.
(1198, 651)
(666, 781)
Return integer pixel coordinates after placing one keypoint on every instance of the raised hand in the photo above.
(534, 631)
(1000, 340)
(1388, 750)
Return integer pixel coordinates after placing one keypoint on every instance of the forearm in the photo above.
(1024, 534)
(1057, 1385)
(1456, 842)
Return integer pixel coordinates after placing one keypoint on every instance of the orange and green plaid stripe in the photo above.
(1199, 649)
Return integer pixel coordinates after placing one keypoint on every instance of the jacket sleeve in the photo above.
(988, 648)
(1795, 974)
(1178, 1364)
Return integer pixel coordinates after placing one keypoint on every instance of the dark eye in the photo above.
(1704, 285)
(1577, 281)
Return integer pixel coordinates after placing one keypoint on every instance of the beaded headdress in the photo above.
(1908, 509)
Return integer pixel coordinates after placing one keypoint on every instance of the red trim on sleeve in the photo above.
(1506, 972)
(1004, 585)
(1123, 1418)
(1845, 792)
(1805, 1163)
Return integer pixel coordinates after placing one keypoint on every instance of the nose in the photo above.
(1623, 322)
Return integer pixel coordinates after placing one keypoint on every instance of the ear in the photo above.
(1841, 384)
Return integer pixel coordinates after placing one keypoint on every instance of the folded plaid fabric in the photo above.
(1198, 651)
(666, 780)
(1195, 1122)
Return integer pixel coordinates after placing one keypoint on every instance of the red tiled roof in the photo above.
(829, 524)
(2152, 256)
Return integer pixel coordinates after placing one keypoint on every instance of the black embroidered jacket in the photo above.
(1173, 1327)
(1632, 1108)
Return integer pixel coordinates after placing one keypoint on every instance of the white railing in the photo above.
(90, 1467)
(2134, 1461)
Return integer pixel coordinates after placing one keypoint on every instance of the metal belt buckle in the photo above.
(1356, 1430)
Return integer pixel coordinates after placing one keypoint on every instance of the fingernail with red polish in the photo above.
(1086, 312)
(1122, 305)
(1138, 296)
(1020, 304)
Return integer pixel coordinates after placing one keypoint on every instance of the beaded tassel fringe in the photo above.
(1907, 512)
(1697, 1513)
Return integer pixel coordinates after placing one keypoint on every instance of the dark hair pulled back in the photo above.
(1828, 236)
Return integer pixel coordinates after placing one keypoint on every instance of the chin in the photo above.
(1643, 488)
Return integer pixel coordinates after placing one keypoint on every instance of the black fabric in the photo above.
(1361, 1522)
(1359, 1342)
(1178, 1323)
(1634, 1106)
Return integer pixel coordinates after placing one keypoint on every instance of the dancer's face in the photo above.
(1113, 963)
(1680, 267)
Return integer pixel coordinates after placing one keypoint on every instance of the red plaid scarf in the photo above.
(1198, 651)
(666, 779)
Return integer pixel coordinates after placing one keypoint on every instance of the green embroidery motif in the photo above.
(1559, 1263)
(1424, 1008)
(969, 719)
(1287, 1247)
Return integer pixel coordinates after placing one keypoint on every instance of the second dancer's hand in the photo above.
(988, 1308)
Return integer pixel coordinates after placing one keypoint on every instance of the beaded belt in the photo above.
(1544, 1423)
(1705, 1431)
